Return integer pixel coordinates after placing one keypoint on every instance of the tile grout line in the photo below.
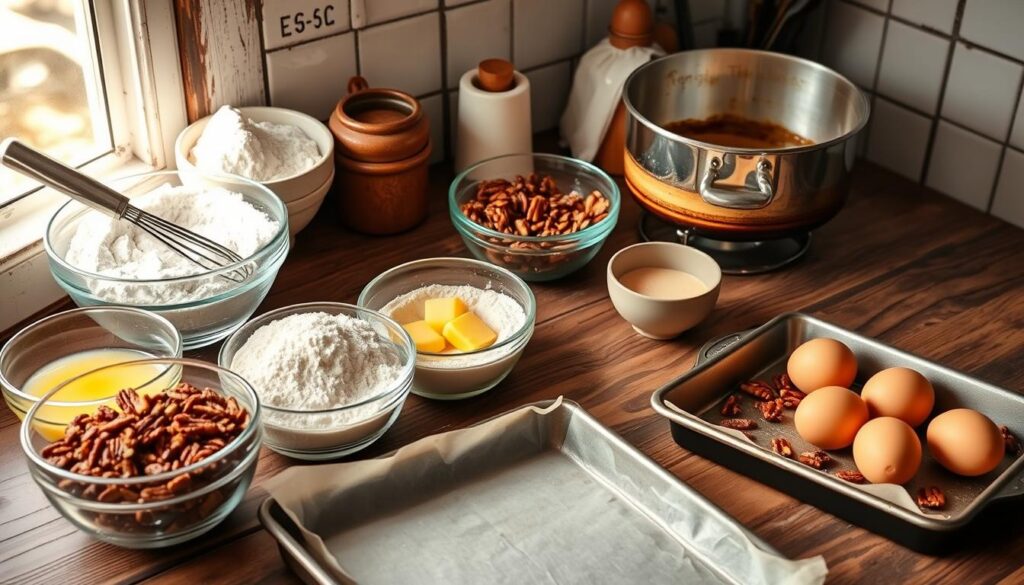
(1005, 148)
(445, 107)
(934, 130)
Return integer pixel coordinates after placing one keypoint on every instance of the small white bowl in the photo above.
(663, 318)
(287, 188)
(302, 211)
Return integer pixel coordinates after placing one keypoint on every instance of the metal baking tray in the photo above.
(692, 404)
(543, 493)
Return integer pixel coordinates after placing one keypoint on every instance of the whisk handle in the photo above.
(36, 165)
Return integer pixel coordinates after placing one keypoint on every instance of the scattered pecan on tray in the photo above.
(782, 447)
(731, 407)
(1013, 447)
(790, 396)
(771, 410)
(758, 389)
(851, 476)
(815, 459)
(739, 424)
(931, 498)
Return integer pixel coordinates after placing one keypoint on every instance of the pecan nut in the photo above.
(740, 424)
(758, 389)
(771, 411)
(731, 407)
(1011, 442)
(816, 459)
(931, 498)
(152, 434)
(534, 206)
(851, 476)
(782, 447)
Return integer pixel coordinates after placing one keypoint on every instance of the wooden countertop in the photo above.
(900, 263)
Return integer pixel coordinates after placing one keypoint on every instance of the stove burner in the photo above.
(734, 257)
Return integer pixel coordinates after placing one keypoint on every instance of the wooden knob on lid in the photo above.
(632, 24)
(495, 75)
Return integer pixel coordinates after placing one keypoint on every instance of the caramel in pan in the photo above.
(733, 131)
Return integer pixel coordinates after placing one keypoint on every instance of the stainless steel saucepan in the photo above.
(741, 193)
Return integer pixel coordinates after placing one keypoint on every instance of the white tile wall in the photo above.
(1017, 132)
(371, 12)
(470, 40)
(995, 24)
(981, 91)
(405, 54)
(935, 14)
(853, 39)
(898, 139)
(963, 165)
(287, 22)
(331, 62)
(545, 31)
(1008, 203)
(880, 5)
(549, 91)
(912, 67)
(433, 108)
(704, 10)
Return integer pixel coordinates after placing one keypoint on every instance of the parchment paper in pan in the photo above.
(534, 496)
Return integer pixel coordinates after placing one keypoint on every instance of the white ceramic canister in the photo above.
(492, 123)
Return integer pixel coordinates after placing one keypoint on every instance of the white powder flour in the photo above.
(317, 361)
(119, 249)
(500, 312)
(261, 151)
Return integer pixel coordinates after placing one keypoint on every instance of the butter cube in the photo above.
(467, 332)
(424, 336)
(438, 312)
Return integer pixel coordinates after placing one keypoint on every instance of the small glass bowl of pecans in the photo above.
(541, 216)
(152, 466)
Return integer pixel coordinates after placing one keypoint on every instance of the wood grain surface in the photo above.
(900, 263)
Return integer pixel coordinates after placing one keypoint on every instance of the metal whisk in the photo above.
(195, 248)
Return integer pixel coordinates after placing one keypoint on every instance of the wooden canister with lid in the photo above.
(382, 147)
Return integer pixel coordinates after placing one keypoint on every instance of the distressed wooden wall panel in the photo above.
(221, 55)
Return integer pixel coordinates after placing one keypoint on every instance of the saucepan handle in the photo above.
(737, 197)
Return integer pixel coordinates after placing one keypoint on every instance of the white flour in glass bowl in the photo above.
(118, 249)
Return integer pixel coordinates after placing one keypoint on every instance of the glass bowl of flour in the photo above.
(332, 377)
(102, 261)
(500, 298)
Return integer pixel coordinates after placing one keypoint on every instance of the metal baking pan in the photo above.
(542, 494)
(692, 404)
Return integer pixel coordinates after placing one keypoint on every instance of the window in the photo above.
(78, 81)
(52, 94)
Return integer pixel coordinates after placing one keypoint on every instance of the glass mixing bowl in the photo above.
(71, 332)
(203, 320)
(342, 430)
(117, 509)
(455, 376)
(534, 258)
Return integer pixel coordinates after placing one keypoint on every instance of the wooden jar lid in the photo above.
(495, 75)
(632, 25)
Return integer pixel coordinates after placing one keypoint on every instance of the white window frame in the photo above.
(145, 98)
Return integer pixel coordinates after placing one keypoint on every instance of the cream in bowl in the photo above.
(470, 321)
(662, 288)
(332, 377)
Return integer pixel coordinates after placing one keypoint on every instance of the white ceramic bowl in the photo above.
(301, 211)
(660, 318)
(287, 188)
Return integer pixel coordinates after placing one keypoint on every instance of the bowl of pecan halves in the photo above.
(541, 216)
(152, 466)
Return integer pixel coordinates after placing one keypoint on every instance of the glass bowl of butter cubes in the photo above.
(469, 320)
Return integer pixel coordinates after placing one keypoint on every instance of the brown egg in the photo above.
(830, 417)
(965, 442)
(822, 362)
(899, 392)
(887, 450)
